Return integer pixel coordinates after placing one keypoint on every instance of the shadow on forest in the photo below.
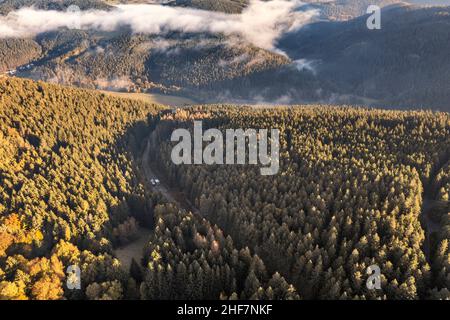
(140, 202)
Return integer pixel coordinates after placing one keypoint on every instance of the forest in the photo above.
(16, 52)
(70, 192)
(66, 181)
(350, 193)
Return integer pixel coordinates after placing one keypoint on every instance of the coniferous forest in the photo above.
(356, 187)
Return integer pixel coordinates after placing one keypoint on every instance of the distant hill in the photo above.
(121, 60)
(346, 9)
(126, 61)
(404, 63)
(227, 6)
(339, 62)
(431, 2)
(343, 10)
(334, 10)
(7, 6)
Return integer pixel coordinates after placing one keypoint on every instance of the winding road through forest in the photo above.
(169, 193)
(134, 249)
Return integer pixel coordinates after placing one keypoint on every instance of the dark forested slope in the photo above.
(403, 64)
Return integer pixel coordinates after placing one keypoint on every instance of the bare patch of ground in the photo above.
(133, 250)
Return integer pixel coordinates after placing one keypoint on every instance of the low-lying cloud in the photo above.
(261, 23)
(304, 64)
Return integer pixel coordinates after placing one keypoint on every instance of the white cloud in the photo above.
(261, 23)
(304, 64)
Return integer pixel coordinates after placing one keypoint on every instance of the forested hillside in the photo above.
(16, 52)
(125, 61)
(66, 181)
(348, 195)
(71, 192)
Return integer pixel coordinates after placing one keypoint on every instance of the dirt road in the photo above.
(170, 194)
(134, 249)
